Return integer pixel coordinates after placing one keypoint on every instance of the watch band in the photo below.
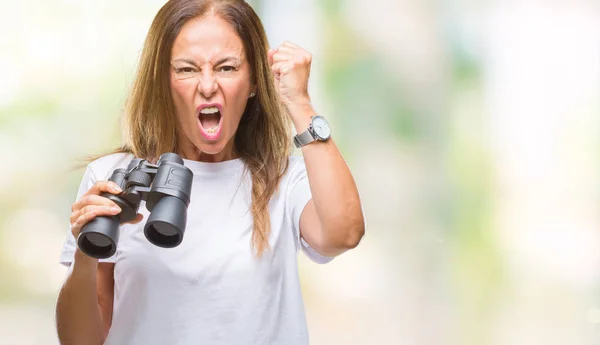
(304, 138)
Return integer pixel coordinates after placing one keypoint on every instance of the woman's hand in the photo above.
(291, 66)
(92, 205)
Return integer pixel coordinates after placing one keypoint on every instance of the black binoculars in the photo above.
(165, 187)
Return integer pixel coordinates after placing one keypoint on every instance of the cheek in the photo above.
(237, 95)
(182, 92)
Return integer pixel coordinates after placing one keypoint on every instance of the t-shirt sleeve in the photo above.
(68, 250)
(299, 195)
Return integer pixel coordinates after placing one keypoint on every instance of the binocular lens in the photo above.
(96, 246)
(96, 240)
(166, 223)
(165, 229)
(163, 234)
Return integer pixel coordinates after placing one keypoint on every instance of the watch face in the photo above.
(321, 127)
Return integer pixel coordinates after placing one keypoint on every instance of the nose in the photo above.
(208, 84)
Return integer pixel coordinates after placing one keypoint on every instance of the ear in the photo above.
(252, 91)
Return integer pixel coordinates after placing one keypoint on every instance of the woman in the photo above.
(210, 89)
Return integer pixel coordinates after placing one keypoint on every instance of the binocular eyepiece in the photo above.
(166, 188)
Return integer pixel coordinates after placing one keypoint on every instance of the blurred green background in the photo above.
(471, 128)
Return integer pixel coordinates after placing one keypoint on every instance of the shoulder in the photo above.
(102, 167)
(295, 163)
(296, 169)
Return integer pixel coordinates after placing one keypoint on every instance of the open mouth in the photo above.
(210, 121)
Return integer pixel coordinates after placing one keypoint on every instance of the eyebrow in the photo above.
(223, 60)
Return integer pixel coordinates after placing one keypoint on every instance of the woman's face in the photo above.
(210, 86)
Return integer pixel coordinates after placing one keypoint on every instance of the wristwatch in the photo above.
(318, 130)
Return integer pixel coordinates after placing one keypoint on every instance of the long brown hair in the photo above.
(262, 138)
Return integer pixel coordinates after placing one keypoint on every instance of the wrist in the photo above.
(300, 114)
(316, 130)
(82, 260)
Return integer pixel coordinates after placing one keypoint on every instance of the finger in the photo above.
(102, 210)
(286, 49)
(279, 68)
(82, 220)
(296, 54)
(90, 212)
(92, 199)
(270, 56)
(290, 44)
(138, 218)
(276, 78)
(279, 56)
(104, 186)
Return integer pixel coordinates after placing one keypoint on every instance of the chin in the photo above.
(212, 147)
(210, 150)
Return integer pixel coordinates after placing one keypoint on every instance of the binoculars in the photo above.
(165, 187)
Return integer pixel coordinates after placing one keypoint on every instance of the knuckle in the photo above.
(100, 186)
(91, 215)
(88, 209)
(80, 221)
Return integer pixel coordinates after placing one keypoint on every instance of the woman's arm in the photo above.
(85, 302)
(332, 222)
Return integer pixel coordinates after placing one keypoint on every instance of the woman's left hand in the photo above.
(291, 66)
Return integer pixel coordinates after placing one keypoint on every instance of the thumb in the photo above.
(270, 53)
(138, 218)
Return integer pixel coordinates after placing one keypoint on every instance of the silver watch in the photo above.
(318, 130)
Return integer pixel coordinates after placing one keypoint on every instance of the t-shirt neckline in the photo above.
(227, 166)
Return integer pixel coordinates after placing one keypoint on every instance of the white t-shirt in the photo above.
(211, 289)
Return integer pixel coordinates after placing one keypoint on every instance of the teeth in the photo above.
(209, 110)
(212, 130)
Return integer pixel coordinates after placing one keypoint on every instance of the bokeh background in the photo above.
(471, 128)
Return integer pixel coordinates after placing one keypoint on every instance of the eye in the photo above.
(184, 70)
(227, 69)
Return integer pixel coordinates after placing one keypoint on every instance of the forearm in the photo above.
(78, 316)
(334, 192)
